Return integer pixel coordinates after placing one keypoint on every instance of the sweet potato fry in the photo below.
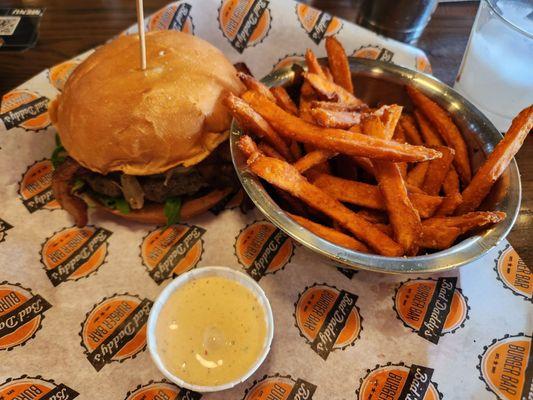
(330, 234)
(331, 90)
(286, 177)
(335, 119)
(438, 238)
(451, 182)
(372, 126)
(417, 174)
(295, 150)
(268, 150)
(365, 164)
(313, 65)
(253, 84)
(248, 146)
(432, 237)
(312, 159)
(250, 120)
(399, 136)
(335, 139)
(327, 73)
(449, 205)
(391, 116)
(328, 105)
(369, 196)
(284, 100)
(447, 129)
(404, 219)
(467, 222)
(338, 63)
(429, 135)
(497, 161)
(412, 135)
(377, 217)
(437, 171)
(307, 96)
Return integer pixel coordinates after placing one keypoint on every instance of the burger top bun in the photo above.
(112, 116)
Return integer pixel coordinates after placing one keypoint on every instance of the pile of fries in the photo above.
(374, 180)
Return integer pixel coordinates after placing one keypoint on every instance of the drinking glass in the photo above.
(496, 73)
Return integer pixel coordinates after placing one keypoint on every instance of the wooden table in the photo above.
(72, 27)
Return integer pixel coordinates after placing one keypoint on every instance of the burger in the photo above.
(148, 145)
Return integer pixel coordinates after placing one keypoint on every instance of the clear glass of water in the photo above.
(496, 74)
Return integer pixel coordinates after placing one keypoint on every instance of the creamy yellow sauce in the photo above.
(211, 331)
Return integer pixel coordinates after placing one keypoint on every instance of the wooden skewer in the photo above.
(140, 24)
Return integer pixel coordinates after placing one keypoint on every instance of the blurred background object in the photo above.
(499, 60)
(403, 20)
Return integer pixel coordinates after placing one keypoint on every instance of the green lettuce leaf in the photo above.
(172, 210)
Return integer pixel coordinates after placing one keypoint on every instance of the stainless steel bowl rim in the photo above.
(462, 253)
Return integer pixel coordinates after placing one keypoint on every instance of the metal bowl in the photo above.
(377, 81)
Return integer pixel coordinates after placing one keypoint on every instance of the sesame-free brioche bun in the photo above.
(112, 116)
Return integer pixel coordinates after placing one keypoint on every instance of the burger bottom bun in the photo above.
(154, 213)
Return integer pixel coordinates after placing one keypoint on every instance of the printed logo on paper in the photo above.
(262, 249)
(317, 24)
(514, 273)
(287, 60)
(25, 109)
(74, 253)
(280, 388)
(422, 64)
(4, 227)
(174, 17)
(162, 390)
(35, 188)
(347, 272)
(115, 329)
(506, 367)
(21, 315)
(374, 53)
(245, 23)
(27, 387)
(327, 318)
(171, 251)
(59, 73)
(398, 382)
(431, 307)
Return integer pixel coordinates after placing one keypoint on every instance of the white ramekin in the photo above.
(163, 297)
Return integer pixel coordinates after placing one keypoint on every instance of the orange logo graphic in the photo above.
(374, 53)
(115, 329)
(27, 387)
(327, 318)
(21, 315)
(25, 109)
(174, 17)
(35, 188)
(398, 382)
(244, 23)
(4, 227)
(422, 64)
(59, 73)
(287, 60)
(506, 367)
(172, 250)
(280, 388)
(261, 249)
(317, 24)
(430, 307)
(162, 391)
(514, 273)
(74, 253)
